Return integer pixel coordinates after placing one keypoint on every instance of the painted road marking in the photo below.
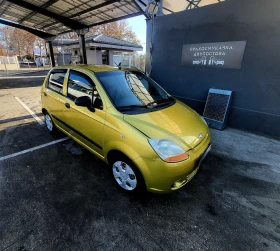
(40, 121)
(12, 77)
(33, 149)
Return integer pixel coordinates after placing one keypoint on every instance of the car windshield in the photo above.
(130, 90)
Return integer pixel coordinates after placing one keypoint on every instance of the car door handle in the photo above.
(67, 105)
(45, 94)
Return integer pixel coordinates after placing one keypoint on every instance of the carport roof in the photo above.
(100, 39)
(47, 18)
(58, 16)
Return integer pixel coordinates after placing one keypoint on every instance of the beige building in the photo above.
(100, 49)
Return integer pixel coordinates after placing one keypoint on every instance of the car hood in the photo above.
(178, 123)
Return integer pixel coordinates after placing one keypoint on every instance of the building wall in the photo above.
(91, 56)
(9, 63)
(64, 59)
(123, 58)
(8, 67)
(98, 56)
(111, 61)
(256, 86)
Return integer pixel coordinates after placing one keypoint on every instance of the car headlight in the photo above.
(168, 150)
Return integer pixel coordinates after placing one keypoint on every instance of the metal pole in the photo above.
(159, 12)
(6, 66)
(16, 59)
(51, 53)
(149, 34)
(83, 51)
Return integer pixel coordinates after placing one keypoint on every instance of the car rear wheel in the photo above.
(127, 175)
(49, 123)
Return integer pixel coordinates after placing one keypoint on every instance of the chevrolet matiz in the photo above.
(149, 139)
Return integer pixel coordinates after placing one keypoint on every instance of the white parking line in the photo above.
(33, 149)
(41, 122)
(12, 77)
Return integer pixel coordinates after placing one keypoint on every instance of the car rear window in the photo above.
(56, 79)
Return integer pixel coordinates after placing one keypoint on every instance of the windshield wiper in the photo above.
(162, 101)
(131, 106)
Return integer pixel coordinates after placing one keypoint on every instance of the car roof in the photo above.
(94, 68)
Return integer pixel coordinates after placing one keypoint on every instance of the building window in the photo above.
(105, 57)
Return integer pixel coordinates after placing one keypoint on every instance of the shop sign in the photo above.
(215, 55)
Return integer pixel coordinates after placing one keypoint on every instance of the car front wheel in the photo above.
(127, 175)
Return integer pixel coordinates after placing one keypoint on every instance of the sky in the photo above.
(138, 25)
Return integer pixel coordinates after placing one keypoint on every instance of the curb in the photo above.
(23, 72)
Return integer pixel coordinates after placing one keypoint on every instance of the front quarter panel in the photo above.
(121, 136)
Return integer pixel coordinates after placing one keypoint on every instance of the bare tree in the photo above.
(6, 38)
(119, 29)
(17, 41)
(41, 44)
(3, 51)
(138, 61)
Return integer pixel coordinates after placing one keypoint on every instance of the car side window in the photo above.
(79, 85)
(56, 79)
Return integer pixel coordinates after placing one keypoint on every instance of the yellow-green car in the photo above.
(150, 139)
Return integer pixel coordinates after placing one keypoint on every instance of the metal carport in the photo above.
(49, 18)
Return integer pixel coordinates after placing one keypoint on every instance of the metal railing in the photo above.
(8, 60)
(11, 65)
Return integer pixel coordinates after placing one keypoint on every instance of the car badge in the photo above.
(200, 136)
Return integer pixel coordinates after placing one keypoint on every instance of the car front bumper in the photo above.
(163, 177)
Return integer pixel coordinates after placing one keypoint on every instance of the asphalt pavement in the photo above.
(61, 197)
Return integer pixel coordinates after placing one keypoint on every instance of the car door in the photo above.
(54, 97)
(85, 124)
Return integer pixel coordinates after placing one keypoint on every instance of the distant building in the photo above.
(39, 52)
(101, 49)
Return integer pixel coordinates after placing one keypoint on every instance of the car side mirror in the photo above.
(98, 103)
(83, 101)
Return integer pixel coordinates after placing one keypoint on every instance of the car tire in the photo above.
(127, 175)
(49, 123)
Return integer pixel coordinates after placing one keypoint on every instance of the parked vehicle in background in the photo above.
(26, 63)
